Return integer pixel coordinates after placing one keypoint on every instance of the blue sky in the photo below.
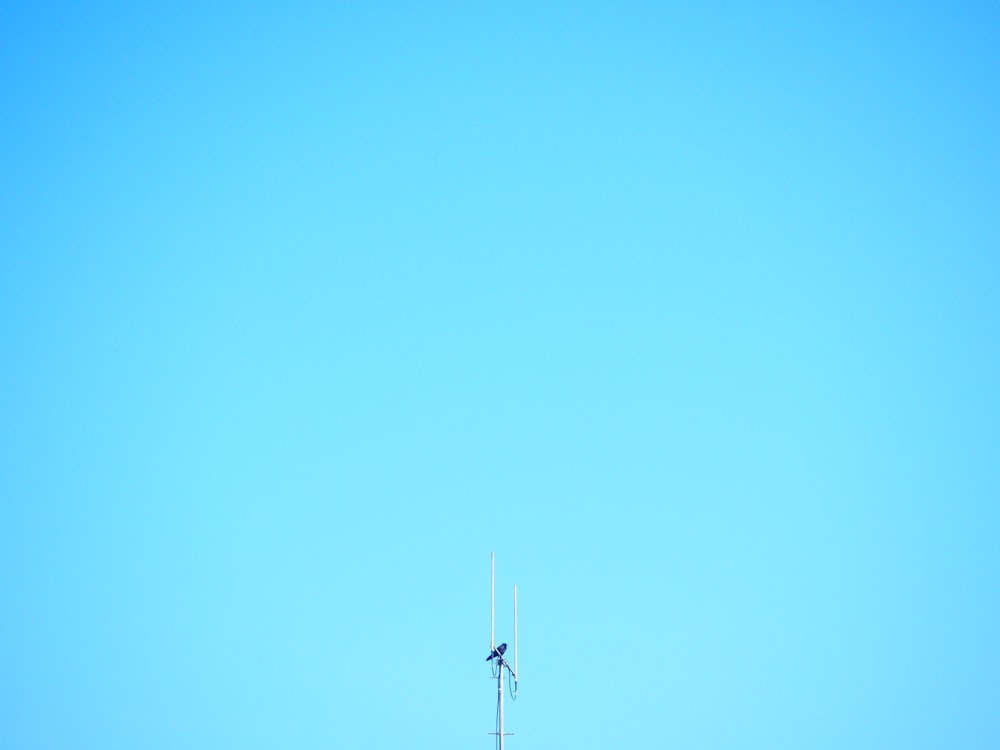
(689, 313)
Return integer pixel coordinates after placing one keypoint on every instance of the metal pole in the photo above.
(500, 706)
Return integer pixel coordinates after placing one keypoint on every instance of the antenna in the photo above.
(515, 638)
(496, 660)
(493, 564)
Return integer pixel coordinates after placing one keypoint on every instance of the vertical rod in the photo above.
(500, 704)
(492, 608)
(516, 674)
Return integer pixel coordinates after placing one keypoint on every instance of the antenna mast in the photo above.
(496, 659)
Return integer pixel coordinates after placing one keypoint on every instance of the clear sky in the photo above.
(690, 313)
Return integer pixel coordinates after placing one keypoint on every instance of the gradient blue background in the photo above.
(690, 313)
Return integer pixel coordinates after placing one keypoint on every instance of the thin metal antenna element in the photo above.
(496, 656)
(493, 564)
(515, 638)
